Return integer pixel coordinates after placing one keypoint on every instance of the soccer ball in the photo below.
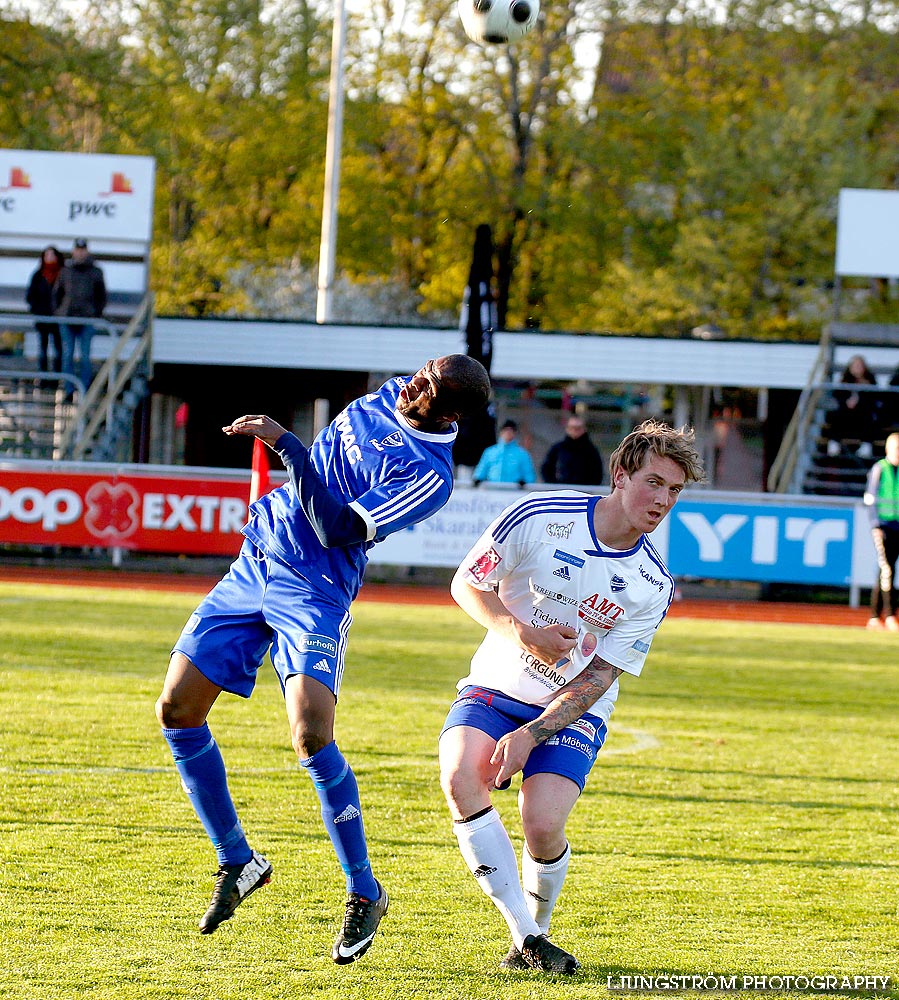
(498, 20)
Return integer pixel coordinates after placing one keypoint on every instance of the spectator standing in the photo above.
(478, 321)
(80, 292)
(882, 501)
(506, 461)
(575, 460)
(855, 418)
(40, 301)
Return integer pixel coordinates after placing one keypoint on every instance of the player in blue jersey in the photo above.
(571, 592)
(383, 464)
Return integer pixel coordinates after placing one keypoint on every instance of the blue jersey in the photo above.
(371, 458)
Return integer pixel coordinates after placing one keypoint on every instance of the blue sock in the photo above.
(202, 771)
(338, 792)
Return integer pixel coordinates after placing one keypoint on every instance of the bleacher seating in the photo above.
(839, 467)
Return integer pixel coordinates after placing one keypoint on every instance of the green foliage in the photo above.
(628, 300)
(740, 820)
(691, 180)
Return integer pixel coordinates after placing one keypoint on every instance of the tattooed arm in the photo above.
(572, 701)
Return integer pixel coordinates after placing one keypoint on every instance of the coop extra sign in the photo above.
(146, 513)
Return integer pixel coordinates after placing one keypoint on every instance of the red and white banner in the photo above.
(123, 508)
(198, 511)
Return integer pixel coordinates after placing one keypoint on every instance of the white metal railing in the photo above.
(783, 473)
(26, 320)
(96, 412)
(37, 409)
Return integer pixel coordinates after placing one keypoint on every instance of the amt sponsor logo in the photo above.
(599, 610)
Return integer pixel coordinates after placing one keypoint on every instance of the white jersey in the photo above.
(543, 558)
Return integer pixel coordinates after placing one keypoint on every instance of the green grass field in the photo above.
(741, 820)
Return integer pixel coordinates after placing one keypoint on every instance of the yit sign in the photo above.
(791, 544)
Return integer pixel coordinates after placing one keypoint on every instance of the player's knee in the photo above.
(169, 714)
(544, 836)
(460, 785)
(308, 740)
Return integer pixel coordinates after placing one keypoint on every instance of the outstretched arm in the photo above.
(334, 522)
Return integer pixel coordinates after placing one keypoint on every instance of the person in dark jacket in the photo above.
(40, 301)
(80, 292)
(575, 459)
(854, 422)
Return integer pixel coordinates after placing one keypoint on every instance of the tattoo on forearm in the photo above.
(574, 699)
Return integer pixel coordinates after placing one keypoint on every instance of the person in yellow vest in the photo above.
(882, 501)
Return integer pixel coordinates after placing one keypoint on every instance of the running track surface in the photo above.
(733, 610)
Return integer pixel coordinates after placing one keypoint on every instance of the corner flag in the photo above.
(259, 477)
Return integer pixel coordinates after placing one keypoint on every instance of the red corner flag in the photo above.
(259, 479)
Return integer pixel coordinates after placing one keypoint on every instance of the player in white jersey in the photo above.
(571, 592)
(384, 463)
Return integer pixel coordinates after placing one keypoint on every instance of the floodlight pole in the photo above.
(332, 167)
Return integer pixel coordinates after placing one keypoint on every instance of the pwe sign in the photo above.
(65, 195)
(124, 509)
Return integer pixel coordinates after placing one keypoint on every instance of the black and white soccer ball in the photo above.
(498, 20)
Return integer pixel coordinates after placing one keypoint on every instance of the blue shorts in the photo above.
(570, 753)
(261, 604)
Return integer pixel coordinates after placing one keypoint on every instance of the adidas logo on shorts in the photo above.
(322, 665)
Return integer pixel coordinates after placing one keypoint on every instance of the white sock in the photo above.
(490, 857)
(543, 884)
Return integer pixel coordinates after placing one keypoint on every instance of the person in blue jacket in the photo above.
(382, 465)
(506, 461)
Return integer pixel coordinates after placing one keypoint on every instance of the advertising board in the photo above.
(67, 195)
(709, 535)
